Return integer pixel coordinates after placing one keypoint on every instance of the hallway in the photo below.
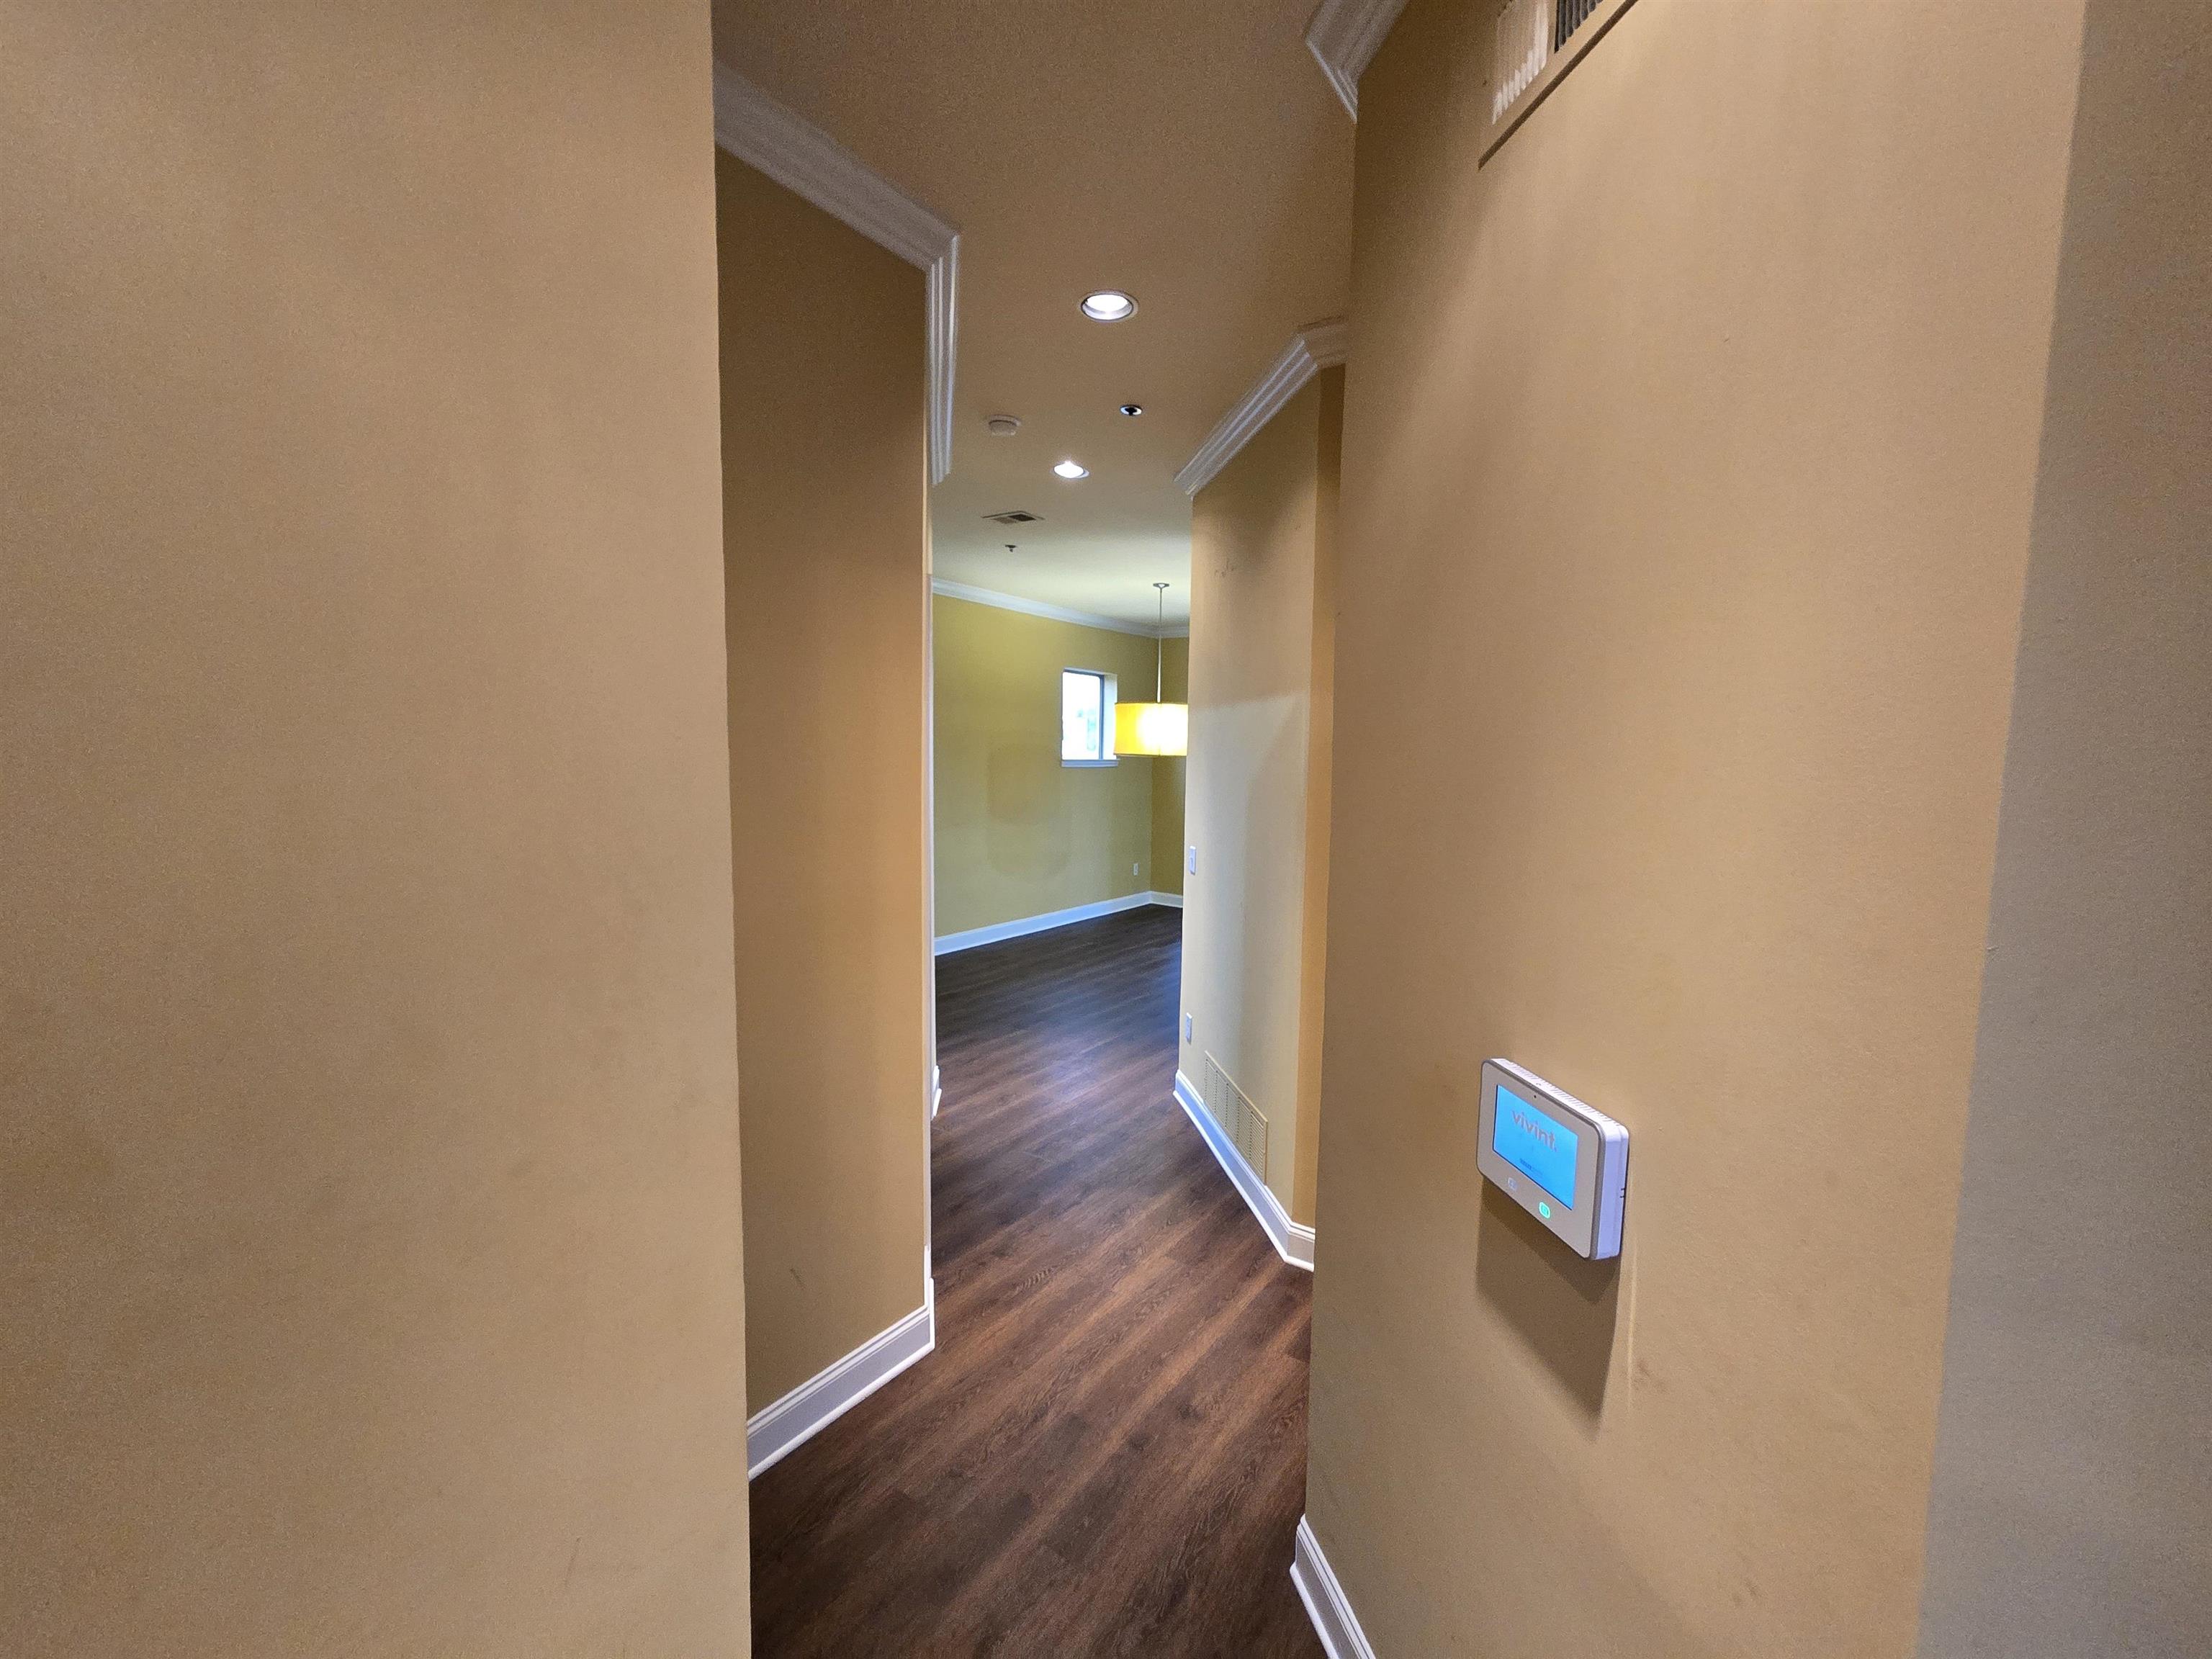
(1106, 1454)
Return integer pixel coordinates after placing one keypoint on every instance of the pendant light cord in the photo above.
(1160, 642)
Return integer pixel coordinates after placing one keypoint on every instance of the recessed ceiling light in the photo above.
(1132, 409)
(1073, 470)
(1108, 305)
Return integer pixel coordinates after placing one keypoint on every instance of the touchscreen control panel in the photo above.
(1565, 1163)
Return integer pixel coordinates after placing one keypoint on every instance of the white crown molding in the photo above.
(1293, 1240)
(799, 155)
(1312, 348)
(1344, 36)
(1327, 1604)
(802, 158)
(944, 351)
(775, 1432)
(1052, 612)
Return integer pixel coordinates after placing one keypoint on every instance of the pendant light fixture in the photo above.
(1154, 727)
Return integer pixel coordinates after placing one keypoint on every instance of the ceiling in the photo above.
(1189, 152)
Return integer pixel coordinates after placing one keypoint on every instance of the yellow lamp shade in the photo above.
(1151, 728)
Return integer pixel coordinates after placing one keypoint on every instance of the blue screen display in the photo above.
(1535, 1143)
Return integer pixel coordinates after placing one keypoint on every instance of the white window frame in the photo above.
(1108, 687)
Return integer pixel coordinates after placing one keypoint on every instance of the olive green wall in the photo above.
(824, 390)
(1690, 455)
(1017, 833)
(371, 1277)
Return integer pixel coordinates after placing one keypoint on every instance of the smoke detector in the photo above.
(1002, 426)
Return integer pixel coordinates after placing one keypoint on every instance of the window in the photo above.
(1086, 718)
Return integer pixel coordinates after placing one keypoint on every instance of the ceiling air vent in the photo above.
(1537, 43)
(1012, 515)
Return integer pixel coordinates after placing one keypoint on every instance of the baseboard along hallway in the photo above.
(1106, 1453)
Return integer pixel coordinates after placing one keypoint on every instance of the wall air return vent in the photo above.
(1245, 1124)
(1567, 16)
(1537, 42)
(1012, 515)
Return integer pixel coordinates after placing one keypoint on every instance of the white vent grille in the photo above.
(1524, 46)
(1538, 41)
(1244, 1123)
(1570, 15)
(1218, 1097)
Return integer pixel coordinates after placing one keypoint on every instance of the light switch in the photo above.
(1190, 859)
(1186, 1028)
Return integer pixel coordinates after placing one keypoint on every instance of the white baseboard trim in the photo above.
(1173, 900)
(775, 1432)
(1326, 1605)
(948, 942)
(1293, 1242)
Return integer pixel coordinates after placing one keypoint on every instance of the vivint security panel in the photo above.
(1565, 1163)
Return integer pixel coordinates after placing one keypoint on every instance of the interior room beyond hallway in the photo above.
(1106, 1454)
(1020, 837)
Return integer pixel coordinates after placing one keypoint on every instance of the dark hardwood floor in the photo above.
(1106, 1454)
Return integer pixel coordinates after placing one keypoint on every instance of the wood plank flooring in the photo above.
(1106, 1454)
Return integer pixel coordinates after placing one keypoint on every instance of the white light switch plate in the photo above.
(1190, 859)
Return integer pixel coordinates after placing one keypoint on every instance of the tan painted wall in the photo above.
(2072, 1508)
(1253, 917)
(1674, 653)
(1168, 773)
(369, 1155)
(1321, 742)
(824, 389)
(1018, 834)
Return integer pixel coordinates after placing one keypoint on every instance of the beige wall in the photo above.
(1168, 773)
(2072, 1507)
(369, 1155)
(1253, 920)
(1018, 834)
(824, 519)
(1689, 452)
